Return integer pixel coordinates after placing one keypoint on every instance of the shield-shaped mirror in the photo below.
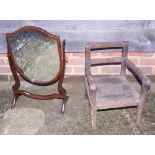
(38, 57)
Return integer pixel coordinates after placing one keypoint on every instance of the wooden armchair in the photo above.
(113, 91)
(37, 57)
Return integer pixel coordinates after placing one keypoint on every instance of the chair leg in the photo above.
(93, 117)
(85, 94)
(64, 104)
(85, 90)
(139, 114)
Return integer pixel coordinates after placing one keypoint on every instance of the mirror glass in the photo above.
(36, 55)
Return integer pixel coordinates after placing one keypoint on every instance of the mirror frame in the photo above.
(17, 72)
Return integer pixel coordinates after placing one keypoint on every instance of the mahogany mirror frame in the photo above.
(17, 72)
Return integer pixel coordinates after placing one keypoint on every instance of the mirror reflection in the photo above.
(36, 55)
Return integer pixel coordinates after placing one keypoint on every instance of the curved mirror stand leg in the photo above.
(62, 91)
(64, 104)
(13, 103)
(15, 96)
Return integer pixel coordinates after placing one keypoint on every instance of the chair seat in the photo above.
(115, 92)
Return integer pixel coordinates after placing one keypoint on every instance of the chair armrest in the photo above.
(91, 81)
(145, 81)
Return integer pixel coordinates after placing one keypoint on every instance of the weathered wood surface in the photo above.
(91, 82)
(124, 55)
(137, 72)
(115, 92)
(105, 61)
(105, 45)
